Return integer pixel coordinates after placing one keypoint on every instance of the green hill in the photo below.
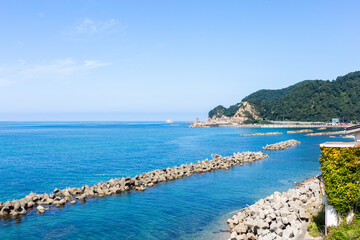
(310, 100)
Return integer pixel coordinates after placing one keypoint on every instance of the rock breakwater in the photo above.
(301, 131)
(281, 145)
(278, 216)
(260, 134)
(139, 182)
(199, 125)
(326, 133)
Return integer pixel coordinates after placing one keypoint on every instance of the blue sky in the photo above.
(153, 60)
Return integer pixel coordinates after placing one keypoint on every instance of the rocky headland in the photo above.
(260, 134)
(281, 145)
(280, 215)
(244, 112)
(60, 197)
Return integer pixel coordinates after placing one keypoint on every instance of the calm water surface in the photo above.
(39, 156)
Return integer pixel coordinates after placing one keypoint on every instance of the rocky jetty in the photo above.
(348, 136)
(301, 131)
(326, 133)
(199, 125)
(280, 215)
(140, 182)
(221, 122)
(281, 145)
(261, 134)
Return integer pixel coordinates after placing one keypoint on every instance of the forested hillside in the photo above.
(311, 100)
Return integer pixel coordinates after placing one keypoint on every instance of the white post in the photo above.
(331, 216)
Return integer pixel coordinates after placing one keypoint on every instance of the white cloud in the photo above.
(90, 26)
(62, 66)
(55, 69)
(88, 64)
(4, 82)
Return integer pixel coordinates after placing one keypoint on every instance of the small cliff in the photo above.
(245, 112)
(239, 113)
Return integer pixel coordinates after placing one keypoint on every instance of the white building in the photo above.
(335, 121)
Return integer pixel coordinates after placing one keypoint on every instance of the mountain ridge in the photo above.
(308, 100)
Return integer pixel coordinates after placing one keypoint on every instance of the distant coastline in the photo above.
(272, 124)
(303, 101)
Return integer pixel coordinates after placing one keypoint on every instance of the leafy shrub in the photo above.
(345, 232)
(341, 175)
(316, 228)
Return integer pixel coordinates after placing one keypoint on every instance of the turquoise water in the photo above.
(39, 156)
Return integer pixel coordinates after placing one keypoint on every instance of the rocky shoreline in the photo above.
(226, 122)
(140, 182)
(238, 125)
(260, 134)
(281, 145)
(280, 215)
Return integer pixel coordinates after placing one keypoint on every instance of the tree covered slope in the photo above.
(311, 100)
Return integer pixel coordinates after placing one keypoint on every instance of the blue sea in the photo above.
(40, 156)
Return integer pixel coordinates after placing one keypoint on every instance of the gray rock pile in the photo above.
(261, 134)
(326, 133)
(278, 216)
(281, 145)
(199, 125)
(119, 185)
(301, 131)
(348, 136)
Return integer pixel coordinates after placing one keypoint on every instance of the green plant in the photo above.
(316, 228)
(341, 175)
(345, 232)
(257, 122)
